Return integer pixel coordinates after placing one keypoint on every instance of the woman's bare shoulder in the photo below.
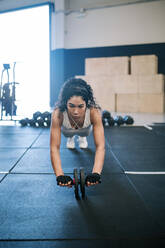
(95, 113)
(57, 116)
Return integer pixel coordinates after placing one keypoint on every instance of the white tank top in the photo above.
(69, 131)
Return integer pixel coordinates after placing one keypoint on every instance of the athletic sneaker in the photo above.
(70, 143)
(83, 142)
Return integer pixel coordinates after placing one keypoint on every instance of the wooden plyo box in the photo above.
(107, 66)
(151, 103)
(108, 103)
(129, 93)
(126, 84)
(143, 103)
(127, 102)
(104, 95)
(103, 91)
(151, 84)
(144, 65)
(101, 84)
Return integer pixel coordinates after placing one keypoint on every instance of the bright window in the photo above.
(25, 40)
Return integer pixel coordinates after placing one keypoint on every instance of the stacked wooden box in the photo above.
(124, 84)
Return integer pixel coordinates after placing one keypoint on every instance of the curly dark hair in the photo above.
(76, 87)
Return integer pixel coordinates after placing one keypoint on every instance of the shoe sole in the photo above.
(70, 147)
(83, 147)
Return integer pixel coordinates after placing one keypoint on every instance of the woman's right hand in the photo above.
(93, 179)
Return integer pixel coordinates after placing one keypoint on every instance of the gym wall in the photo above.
(121, 25)
(135, 29)
(126, 84)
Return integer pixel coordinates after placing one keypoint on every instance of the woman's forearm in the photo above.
(99, 160)
(56, 161)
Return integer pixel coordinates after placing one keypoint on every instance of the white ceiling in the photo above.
(70, 5)
(88, 4)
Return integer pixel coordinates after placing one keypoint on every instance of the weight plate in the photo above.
(76, 182)
(82, 182)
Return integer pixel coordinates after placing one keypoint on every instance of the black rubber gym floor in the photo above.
(126, 210)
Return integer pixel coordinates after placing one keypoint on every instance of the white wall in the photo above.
(132, 24)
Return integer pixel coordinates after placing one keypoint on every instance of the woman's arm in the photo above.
(98, 133)
(55, 141)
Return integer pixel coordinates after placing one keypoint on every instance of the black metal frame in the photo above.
(7, 93)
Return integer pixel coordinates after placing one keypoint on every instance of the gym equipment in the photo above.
(82, 182)
(46, 115)
(31, 122)
(107, 119)
(24, 122)
(111, 121)
(47, 118)
(79, 181)
(128, 120)
(106, 114)
(8, 93)
(108, 122)
(48, 122)
(104, 121)
(37, 115)
(119, 120)
(39, 120)
(76, 184)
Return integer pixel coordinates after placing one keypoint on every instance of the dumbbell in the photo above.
(27, 122)
(106, 114)
(107, 119)
(24, 122)
(128, 120)
(79, 181)
(39, 120)
(108, 122)
(37, 115)
(31, 123)
(111, 121)
(46, 116)
(42, 119)
(118, 120)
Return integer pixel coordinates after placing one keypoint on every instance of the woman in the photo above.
(76, 113)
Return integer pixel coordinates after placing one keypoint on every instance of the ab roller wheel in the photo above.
(79, 181)
(82, 182)
(76, 183)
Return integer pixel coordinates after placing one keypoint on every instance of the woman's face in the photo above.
(76, 107)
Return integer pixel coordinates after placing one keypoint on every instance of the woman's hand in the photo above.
(64, 181)
(92, 179)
